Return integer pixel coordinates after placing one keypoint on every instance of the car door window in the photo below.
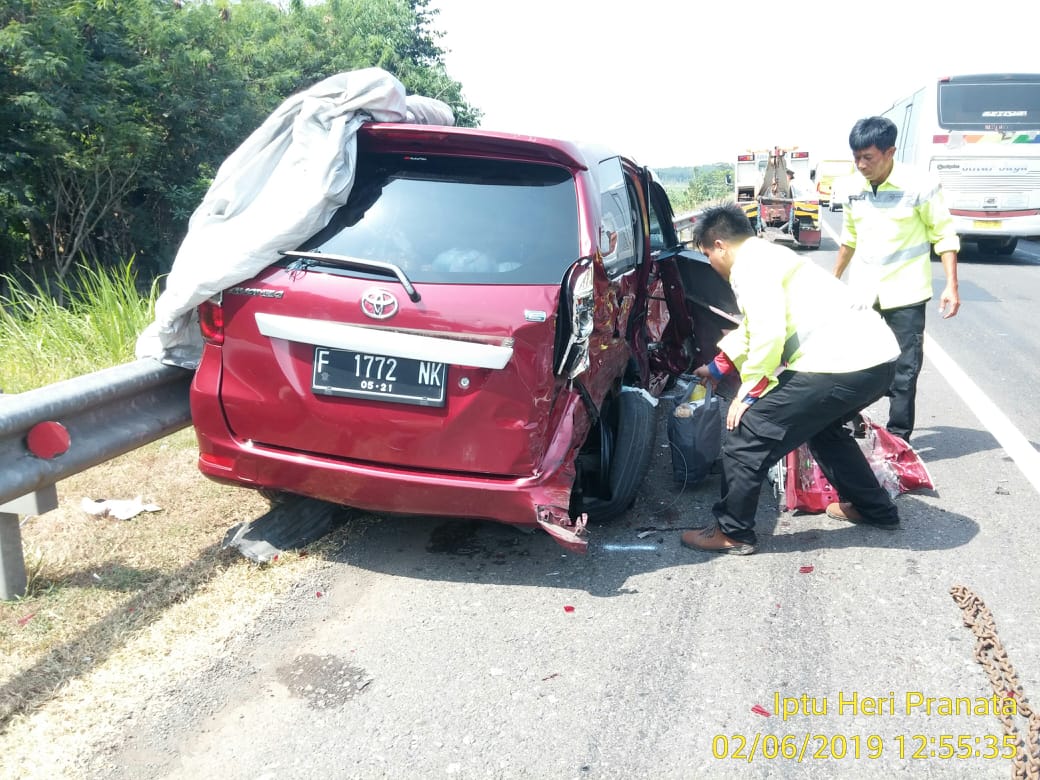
(658, 242)
(620, 219)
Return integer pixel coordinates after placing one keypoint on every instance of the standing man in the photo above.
(888, 231)
(809, 359)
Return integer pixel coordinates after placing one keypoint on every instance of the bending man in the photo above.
(809, 359)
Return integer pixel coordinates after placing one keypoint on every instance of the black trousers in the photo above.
(805, 407)
(907, 323)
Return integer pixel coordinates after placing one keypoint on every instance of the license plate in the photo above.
(987, 224)
(378, 377)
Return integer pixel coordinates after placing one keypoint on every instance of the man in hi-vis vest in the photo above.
(888, 231)
(809, 360)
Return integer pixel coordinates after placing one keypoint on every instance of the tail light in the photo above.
(211, 321)
(940, 139)
(573, 357)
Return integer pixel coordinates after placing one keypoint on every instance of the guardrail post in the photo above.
(12, 563)
(12, 560)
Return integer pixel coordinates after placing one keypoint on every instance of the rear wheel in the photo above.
(616, 457)
(1008, 248)
(997, 246)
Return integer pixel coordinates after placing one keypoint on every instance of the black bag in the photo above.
(696, 440)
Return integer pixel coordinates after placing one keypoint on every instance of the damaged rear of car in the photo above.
(481, 331)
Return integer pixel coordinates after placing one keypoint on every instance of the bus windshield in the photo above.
(982, 104)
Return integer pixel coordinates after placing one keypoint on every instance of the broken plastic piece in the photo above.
(805, 570)
(758, 709)
(120, 509)
(568, 608)
(289, 525)
(570, 533)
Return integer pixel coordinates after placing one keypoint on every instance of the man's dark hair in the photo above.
(725, 221)
(873, 131)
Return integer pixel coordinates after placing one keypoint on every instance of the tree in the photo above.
(114, 116)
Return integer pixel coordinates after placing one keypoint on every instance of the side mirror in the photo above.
(729, 179)
(812, 175)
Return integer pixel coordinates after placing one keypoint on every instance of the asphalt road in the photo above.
(466, 650)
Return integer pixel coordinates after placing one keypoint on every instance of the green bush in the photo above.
(93, 323)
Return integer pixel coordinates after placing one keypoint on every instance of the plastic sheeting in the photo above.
(282, 185)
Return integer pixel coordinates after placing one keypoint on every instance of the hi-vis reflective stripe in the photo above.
(903, 254)
(794, 341)
(890, 199)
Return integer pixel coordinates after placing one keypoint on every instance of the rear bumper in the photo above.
(981, 225)
(521, 501)
(383, 489)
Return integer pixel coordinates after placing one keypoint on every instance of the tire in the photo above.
(632, 425)
(996, 246)
(1008, 248)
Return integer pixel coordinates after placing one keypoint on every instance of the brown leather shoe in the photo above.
(845, 511)
(712, 539)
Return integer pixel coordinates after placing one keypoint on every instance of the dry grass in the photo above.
(108, 599)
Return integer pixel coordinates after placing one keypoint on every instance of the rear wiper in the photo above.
(390, 269)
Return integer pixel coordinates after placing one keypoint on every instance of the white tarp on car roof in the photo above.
(279, 187)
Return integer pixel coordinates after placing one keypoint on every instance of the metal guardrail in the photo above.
(684, 225)
(82, 422)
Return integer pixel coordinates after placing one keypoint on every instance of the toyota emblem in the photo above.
(379, 304)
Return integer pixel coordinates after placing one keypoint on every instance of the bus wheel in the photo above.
(996, 246)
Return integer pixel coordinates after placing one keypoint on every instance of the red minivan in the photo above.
(481, 331)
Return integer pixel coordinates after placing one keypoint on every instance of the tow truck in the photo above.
(770, 205)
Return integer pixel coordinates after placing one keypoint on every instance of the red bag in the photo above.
(805, 487)
(894, 461)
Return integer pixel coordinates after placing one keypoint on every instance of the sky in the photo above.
(683, 82)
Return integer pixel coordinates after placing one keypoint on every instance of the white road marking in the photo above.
(1015, 444)
(995, 421)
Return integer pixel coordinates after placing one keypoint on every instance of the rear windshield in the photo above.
(457, 220)
(1004, 105)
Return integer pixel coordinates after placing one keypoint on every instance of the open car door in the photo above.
(700, 304)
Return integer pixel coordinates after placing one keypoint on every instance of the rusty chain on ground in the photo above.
(990, 654)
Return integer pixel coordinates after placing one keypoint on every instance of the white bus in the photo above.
(981, 136)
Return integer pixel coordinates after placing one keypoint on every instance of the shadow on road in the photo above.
(492, 553)
(943, 442)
